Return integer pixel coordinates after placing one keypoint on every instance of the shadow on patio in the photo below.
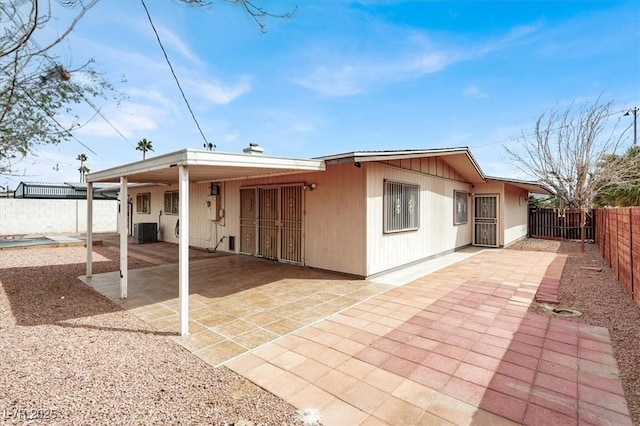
(236, 302)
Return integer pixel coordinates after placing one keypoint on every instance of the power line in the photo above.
(58, 123)
(175, 77)
(91, 104)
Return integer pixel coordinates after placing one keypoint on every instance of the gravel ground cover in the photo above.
(70, 356)
(604, 302)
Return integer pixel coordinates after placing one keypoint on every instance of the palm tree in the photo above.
(82, 158)
(144, 145)
(83, 172)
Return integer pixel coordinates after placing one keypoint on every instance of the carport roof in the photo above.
(205, 166)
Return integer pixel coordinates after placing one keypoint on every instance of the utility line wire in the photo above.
(58, 123)
(91, 104)
(175, 77)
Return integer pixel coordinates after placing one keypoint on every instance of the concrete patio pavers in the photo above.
(236, 303)
(457, 346)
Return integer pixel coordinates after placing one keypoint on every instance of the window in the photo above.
(171, 205)
(143, 203)
(401, 206)
(460, 212)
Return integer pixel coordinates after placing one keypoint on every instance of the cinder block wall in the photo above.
(19, 216)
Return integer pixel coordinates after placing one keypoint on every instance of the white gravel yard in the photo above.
(70, 356)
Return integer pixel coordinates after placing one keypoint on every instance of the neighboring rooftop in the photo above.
(65, 190)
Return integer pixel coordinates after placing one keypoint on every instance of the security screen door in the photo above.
(485, 220)
(271, 222)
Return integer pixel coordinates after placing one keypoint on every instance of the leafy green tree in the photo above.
(616, 194)
(144, 145)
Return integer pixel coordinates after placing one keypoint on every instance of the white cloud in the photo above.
(131, 121)
(516, 35)
(218, 92)
(407, 55)
(474, 92)
(171, 40)
(153, 95)
(345, 80)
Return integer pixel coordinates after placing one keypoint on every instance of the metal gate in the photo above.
(291, 224)
(248, 221)
(485, 220)
(271, 222)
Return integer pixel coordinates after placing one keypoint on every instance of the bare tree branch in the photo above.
(568, 152)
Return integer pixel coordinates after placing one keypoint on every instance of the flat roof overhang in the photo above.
(206, 166)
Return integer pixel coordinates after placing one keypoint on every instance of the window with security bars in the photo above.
(460, 211)
(171, 205)
(401, 206)
(143, 203)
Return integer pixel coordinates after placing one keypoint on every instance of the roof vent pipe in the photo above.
(253, 149)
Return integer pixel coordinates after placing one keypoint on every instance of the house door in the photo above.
(271, 222)
(485, 220)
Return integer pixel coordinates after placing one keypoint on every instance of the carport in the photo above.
(183, 167)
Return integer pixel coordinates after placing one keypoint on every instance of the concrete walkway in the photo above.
(457, 347)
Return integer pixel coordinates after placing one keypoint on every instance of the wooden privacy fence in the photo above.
(558, 224)
(618, 236)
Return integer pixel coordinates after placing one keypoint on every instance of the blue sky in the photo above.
(341, 76)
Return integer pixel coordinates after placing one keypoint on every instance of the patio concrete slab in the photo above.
(457, 346)
(236, 303)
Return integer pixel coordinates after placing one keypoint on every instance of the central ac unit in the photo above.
(145, 232)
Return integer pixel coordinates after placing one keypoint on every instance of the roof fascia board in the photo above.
(189, 157)
(524, 184)
(152, 164)
(260, 176)
(389, 155)
(204, 158)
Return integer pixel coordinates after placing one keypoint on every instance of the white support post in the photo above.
(124, 209)
(183, 259)
(89, 229)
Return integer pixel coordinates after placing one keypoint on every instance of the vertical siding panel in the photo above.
(436, 233)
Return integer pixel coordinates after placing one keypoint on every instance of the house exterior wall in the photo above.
(515, 217)
(436, 234)
(334, 235)
(512, 212)
(343, 216)
(334, 219)
(24, 216)
(201, 229)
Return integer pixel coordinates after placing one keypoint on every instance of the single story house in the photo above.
(361, 213)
